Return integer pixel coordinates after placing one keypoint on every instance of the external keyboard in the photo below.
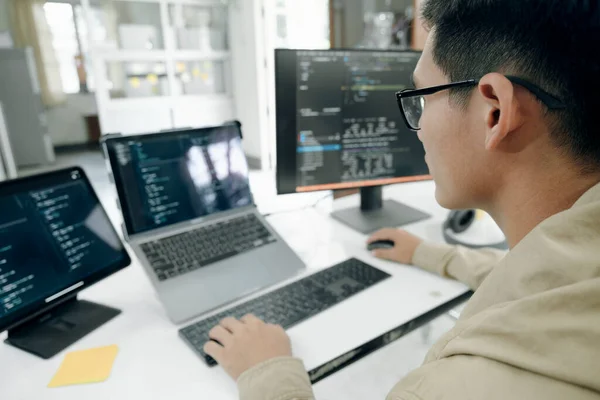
(176, 255)
(293, 303)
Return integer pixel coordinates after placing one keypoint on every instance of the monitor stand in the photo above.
(54, 331)
(375, 214)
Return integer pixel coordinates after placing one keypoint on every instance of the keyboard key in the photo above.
(188, 251)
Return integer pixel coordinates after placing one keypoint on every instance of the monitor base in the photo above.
(51, 333)
(391, 215)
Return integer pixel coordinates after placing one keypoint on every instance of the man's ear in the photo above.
(502, 115)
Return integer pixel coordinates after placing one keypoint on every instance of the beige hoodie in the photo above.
(530, 331)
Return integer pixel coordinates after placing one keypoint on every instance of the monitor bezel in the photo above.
(286, 172)
(40, 307)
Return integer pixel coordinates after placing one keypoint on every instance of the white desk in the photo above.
(153, 363)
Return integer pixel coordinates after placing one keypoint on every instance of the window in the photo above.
(65, 42)
(69, 32)
(96, 33)
(292, 18)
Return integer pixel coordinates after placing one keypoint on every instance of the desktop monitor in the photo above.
(339, 127)
(55, 240)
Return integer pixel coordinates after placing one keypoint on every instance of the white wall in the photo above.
(249, 75)
(66, 123)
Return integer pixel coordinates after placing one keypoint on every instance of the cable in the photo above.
(314, 205)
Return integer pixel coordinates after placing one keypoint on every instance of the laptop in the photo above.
(189, 216)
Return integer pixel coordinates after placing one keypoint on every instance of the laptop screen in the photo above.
(166, 178)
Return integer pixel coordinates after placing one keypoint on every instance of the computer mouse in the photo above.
(381, 244)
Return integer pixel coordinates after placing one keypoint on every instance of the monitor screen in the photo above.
(166, 178)
(55, 239)
(338, 122)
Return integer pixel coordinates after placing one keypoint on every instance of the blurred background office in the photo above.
(74, 70)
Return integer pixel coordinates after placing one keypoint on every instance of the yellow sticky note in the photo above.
(86, 366)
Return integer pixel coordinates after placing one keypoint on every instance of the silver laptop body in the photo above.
(190, 186)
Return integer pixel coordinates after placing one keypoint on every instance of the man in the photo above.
(516, 134)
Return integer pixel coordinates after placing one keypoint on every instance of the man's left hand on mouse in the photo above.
(246, 343)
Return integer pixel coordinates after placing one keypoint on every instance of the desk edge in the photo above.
(337, 364)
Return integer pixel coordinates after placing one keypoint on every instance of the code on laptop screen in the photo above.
(164, 179)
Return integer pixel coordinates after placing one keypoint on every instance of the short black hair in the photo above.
(552, 43)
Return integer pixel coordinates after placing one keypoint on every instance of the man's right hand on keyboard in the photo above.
(243, 344)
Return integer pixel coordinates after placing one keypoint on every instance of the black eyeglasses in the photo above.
(412, 101)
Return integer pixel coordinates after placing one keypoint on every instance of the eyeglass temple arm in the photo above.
(549, 100)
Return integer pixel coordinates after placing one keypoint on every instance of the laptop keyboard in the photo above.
(293, 303)
(176, 255)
